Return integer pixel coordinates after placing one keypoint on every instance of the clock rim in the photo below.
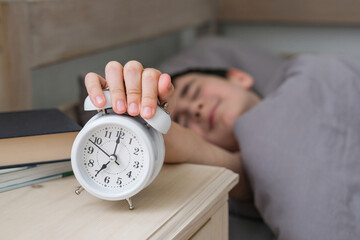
(119, 120)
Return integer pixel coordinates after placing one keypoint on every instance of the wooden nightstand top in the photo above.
(179, 202)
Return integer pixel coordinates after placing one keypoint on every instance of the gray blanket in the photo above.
(301, 149)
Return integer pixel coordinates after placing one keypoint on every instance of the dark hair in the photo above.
(220, 72)
(216, 72)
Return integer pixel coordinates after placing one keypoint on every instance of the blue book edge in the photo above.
(43, 179)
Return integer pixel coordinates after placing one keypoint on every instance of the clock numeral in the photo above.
(121, 134)
(119, 181)
(136, 151)
(130, 141)
(98, 140)
(91, 163)
(129, 174)
(108, 134)
(107, 179)
(90, 150)
(136, 164)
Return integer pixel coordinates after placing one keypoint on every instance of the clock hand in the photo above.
(102, 168)
(117, 143)
(100, 148)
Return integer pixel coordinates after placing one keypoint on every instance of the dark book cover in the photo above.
(35, 122)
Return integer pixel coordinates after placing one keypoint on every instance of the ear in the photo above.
(240, 77)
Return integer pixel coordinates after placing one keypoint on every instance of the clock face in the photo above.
(114, 158)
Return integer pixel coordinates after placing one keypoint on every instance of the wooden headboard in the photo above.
(40, 32)
(35, 33)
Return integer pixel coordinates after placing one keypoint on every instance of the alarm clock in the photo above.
(115, 156)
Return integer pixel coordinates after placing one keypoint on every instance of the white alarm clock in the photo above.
(116, 156)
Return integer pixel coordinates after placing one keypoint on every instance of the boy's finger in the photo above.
(115, 80)
(132, 77)
(166, 91)
(94, 84)
(149, 96)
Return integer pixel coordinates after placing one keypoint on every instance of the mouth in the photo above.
(212, 115)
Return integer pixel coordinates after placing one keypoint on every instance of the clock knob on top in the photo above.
(161, 121)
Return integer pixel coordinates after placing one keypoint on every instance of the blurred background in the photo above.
(45, 45)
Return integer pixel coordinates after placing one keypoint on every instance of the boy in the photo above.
(299, 145)
(206, 104)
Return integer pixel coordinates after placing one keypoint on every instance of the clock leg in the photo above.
(79, 190)
(131, 205)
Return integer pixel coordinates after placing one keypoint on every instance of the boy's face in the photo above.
(209, 105)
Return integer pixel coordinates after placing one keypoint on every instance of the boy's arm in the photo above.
(136, 90)
(183, 145)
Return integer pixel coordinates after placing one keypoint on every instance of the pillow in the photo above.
(218, 52)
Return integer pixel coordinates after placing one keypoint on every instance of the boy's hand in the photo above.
(133, 89)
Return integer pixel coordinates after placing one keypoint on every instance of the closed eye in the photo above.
(196, 93)
(186, 88)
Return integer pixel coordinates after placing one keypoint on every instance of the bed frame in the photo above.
(35, 33)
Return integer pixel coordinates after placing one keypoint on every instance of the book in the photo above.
(11, 178)
(35, 181)
(36, 136)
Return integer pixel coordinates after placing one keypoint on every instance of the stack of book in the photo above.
(35, 146)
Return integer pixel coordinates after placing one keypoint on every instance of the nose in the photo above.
(196, 110)
(191, 110)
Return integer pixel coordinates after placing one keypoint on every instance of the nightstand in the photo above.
(185, 201)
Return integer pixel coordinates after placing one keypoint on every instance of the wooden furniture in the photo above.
(184, 202)
(41, 32)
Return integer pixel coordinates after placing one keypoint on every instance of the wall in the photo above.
(290, 39)
(57, 84)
